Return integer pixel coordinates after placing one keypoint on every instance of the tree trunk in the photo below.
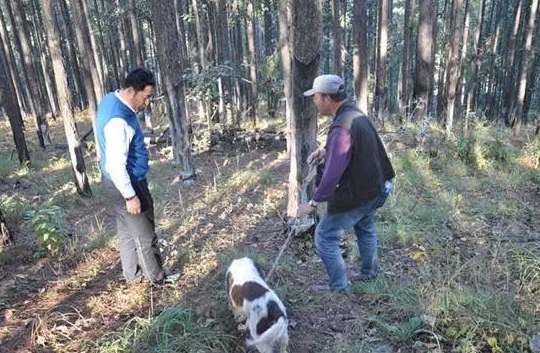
(9, 102)
(71, 57)
(76, 148)
(30, 69)
(10, 62)
(285, 23)
(304, 36)
(170, 59)
(252, 62)
(460, 98)
(338, 35)
(224, 82)
(101, 47)
(424, 59)
(26, 98)
(510, 70)
(201, 40)
(524, 69)
(452, 69)
(476, 64)
(381, 88)
(361, 56)
(533, 72)
(6, 238)
(404, 86)
(137, 58)
(89, 68)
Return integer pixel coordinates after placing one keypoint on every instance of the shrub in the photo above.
(48, 225)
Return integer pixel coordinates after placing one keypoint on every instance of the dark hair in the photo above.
(340, 95)
(139, 79)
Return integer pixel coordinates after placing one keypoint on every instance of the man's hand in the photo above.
(304, 209)
(317, 156)
(133, 205)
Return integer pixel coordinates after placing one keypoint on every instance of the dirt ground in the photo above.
(56, 304)
(234, 208)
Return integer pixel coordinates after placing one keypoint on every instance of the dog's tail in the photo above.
(279, 329)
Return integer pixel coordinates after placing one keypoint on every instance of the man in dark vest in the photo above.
(356, 181)
(124, 167)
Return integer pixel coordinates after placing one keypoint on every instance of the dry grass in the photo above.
(459, 249)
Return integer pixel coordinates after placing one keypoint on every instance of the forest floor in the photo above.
(75, 300)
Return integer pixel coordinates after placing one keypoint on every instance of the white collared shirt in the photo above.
(118, 135)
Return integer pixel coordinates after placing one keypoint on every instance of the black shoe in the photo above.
(362, 277)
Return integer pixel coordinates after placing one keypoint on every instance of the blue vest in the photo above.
(137, 159)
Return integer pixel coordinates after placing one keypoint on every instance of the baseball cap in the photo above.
(327, 84)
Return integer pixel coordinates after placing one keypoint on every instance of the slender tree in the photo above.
(170, 59)
(37, 95)
(404, 83)
(338, 7)
(304, 41)
(360, 54)
(90, 77)
(10, 58)
(252, 61)
(76, 148)
(381, 88)
(523, 73)
(424, 59)
(452, 69)
(9, 102)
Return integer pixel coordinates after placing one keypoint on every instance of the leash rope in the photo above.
(296, 225)
(283, 247)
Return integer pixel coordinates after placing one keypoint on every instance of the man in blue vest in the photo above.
(356, 181)
(124, 166)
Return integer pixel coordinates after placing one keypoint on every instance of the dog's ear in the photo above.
(229, 282)
(258, 268)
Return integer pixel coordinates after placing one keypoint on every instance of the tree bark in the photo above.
(9, 101)
(137, 57)
(285, 23)
(304, 37)
(170, 59)
(524, 68)
(361, 56)
(476, 65)
(26, 96)
(424, 59)
(224, 81)
(404, 86)
(510, 70)
(252, 62)
(10, 62)
(90, 77)
(452, 69)
(36, 95)
(381, 88)
(6, 237)
(338, 35)
(76, 148)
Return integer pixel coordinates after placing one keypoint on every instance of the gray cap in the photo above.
(327, 84)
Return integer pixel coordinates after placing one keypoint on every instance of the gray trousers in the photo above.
(137, 238)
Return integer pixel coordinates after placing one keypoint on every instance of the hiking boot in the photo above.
(362, 277)
(326, 288)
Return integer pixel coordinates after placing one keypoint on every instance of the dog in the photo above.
(252, 300)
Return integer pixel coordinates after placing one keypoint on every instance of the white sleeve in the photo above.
(118, 135)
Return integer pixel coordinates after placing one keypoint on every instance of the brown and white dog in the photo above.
(252, 300)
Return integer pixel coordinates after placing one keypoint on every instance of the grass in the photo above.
(458, 247)
(175, 329)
